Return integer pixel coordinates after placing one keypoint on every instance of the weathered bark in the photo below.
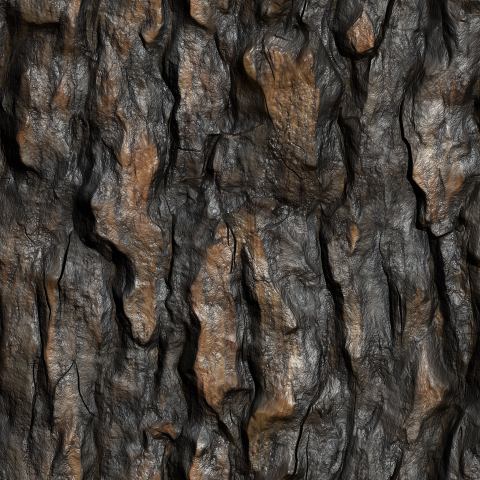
(239, 239)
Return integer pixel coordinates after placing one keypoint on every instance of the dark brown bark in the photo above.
(239, 239)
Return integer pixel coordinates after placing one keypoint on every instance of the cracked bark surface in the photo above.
(239, 239)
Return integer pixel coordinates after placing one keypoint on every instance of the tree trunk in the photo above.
(239, 239)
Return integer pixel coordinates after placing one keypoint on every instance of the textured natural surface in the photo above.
(239, 239)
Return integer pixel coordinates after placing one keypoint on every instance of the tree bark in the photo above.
(239, 239)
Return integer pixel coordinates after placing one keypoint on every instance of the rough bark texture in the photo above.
(239, 239)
